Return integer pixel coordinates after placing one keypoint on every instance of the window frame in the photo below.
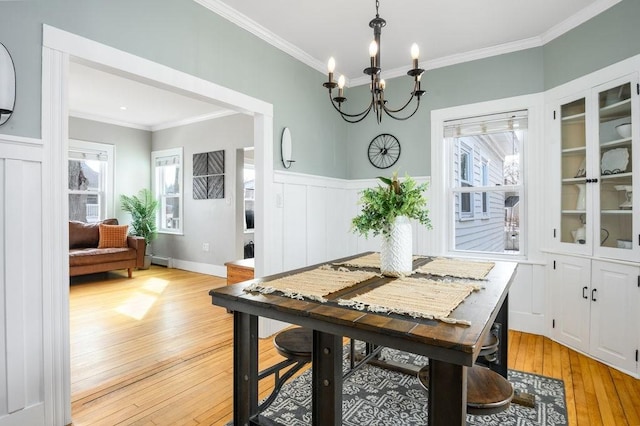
(468, 152)
(155, 188)
(440, 240)
(107, 177)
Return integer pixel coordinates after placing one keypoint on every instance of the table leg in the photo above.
(447, 402)
(245, 368)
(326, 379)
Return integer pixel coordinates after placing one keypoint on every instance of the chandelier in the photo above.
(378, 102)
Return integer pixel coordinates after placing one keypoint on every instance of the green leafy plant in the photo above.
(143, 214)
(381, 206)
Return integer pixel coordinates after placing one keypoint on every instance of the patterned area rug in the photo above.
(380, 397)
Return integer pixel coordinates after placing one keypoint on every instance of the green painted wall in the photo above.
(608, 38)
(497, 77)
(184, 35)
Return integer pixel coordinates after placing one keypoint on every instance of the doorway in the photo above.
(59, 47)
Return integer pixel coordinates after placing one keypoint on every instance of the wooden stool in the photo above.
(296, 345)
(487, 391)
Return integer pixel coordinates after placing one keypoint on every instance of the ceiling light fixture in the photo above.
(378, 102)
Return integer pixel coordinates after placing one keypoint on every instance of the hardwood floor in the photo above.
(152, 350)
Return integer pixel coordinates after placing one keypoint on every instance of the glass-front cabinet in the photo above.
(599, 201)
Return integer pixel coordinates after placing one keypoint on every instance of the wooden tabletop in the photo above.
(458, 344)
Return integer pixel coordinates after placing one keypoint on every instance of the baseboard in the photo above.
(201, 268)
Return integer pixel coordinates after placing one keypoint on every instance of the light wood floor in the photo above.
(152, 350)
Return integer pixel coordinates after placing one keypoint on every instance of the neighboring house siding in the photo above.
(480, 232)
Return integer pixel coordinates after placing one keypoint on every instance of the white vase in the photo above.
(396, 254)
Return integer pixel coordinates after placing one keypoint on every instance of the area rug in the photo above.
(381, 397)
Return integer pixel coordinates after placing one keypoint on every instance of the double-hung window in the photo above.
(90, 179)
(486, 184)
(167, 187)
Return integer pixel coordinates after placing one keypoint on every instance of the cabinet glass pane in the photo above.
(573, 165)
(616, 168)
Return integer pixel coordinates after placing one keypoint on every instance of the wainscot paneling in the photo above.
(21, 303)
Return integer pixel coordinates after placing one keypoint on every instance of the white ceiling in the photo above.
(447, 31)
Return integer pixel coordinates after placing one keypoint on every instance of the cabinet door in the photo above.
(614, 299)
(571, 228)
(569, 278)
(615, 231)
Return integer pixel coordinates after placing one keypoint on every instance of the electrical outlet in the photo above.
(205, 246)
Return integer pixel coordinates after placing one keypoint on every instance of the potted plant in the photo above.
(143, 218)
(387, 210)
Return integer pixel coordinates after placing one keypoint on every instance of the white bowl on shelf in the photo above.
(624, 130)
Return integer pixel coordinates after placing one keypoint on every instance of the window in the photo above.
(167, 187)
(466, 180)
(90, 178)
(486, 186)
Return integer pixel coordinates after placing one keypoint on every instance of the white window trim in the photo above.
(441, 240)
(168, 153)
(109, 182)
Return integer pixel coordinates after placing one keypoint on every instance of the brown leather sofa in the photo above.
(86, 258)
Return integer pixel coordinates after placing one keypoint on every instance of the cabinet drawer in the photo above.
(236, 275)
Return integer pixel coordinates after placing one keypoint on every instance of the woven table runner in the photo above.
(314, 284)
(457, 268)
(417, 297)
(367, 261)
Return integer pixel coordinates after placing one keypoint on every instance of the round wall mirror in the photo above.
(7, 85)
(286, 148)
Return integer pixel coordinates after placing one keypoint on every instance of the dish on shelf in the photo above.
(614, 161)
(624, 130)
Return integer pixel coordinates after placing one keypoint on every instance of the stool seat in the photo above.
(490, 345)
(487, 391)
(295, 343)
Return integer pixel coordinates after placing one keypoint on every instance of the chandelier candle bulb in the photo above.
(415, 53)
(382, 84)
(341, 85)
(331, 66)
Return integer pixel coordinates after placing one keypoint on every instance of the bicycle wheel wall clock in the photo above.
(384, 151)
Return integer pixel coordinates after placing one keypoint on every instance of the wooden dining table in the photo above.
(451, 348)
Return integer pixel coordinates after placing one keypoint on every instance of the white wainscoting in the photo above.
(21, 292)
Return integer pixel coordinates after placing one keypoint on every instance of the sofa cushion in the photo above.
(83, 234)
(113, 236)
(92, 256)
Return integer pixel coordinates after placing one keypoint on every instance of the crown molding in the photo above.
(579, 18)
(193, 120)
(154, 128)
(101, 119)
(241, 20)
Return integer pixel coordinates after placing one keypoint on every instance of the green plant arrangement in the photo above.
(381, 206)
(143, 214)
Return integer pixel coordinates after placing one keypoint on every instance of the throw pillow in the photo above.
(113, 236)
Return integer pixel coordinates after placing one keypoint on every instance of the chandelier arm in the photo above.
(390, 114)
(413, 95)
(344, 114)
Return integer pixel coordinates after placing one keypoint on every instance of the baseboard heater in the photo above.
(162, 261)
